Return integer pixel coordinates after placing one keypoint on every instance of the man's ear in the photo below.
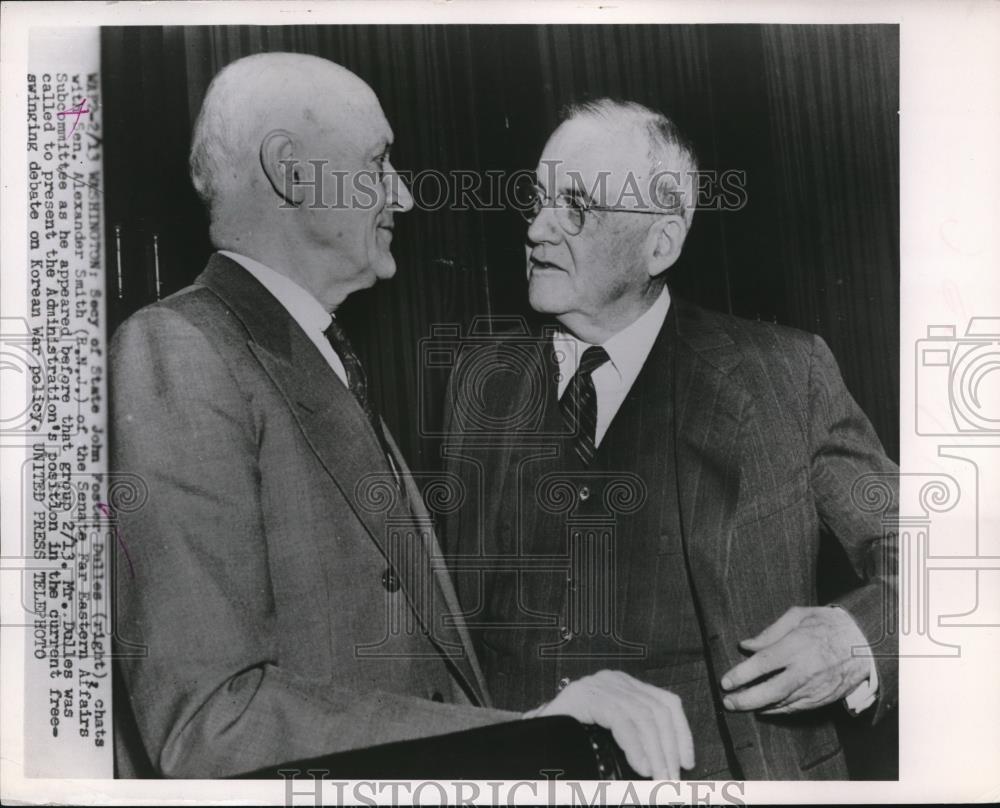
(666, 240)
(277, 158)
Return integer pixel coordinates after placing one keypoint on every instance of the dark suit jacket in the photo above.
(257, 612)
(768, 447)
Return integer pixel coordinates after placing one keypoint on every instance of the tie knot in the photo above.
(592, 359)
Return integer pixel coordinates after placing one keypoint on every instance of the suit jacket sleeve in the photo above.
(846, 454)
(209, 693)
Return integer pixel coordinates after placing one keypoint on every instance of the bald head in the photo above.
(259, 94)
(291, 155)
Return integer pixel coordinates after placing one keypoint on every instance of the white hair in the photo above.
(671, 155)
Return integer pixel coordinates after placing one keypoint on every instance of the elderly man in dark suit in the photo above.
(270, 609)
(648, 480)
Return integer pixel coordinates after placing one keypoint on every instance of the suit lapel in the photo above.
(452, 635)
(332, 422)
(337, 430)
(710, 405)
(334, 426)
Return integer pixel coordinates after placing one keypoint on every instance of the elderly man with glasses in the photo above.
(652, 494)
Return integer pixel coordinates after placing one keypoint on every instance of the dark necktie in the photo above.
(579, 403)
(357, 383)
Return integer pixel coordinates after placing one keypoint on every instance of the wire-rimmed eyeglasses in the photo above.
(570, 210)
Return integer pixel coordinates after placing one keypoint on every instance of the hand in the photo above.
(811, 652)
(648, 723)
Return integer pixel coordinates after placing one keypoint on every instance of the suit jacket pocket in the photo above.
(760, 505)
(832, 756)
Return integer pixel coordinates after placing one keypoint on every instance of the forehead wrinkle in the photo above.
(589, 148)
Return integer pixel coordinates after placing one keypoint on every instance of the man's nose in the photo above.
(399, 195)
(544, 228)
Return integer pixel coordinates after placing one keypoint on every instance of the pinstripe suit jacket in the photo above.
(768, 447)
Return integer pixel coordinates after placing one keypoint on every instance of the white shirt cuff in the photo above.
(863, 696)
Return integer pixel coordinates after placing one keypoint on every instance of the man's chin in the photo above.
(546, 297)
(384, 270)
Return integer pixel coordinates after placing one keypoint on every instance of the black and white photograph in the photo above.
(507, 400)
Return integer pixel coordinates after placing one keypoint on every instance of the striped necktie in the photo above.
(579, 403)
(357, 383)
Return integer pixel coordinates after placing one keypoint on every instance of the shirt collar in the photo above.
(627, 349)
(305, 309)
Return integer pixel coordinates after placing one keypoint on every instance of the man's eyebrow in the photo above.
(382, 147)
(576, 193)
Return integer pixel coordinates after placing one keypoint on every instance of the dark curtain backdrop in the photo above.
(809, 113)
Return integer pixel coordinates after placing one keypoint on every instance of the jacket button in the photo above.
(390, 580)
(584, 493)
(437, 696)
(565, 633)
(563, 683)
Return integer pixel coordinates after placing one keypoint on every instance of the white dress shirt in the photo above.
(628, 350)
(305, 309)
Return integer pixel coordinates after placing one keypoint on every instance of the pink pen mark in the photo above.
(106, 510)
(78, 110)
